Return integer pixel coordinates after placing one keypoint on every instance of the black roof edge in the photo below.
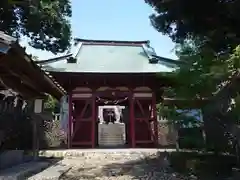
(168, 60)
(111, 41)
(56, 59)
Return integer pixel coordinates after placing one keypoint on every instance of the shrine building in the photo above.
(125, 74)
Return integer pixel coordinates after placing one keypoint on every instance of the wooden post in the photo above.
(203, 130)
(155, 121)
(204, 138)
(132, 120)
(176, 127)
(35, 144)
(38, 106)
(70, 109)
(93, 119)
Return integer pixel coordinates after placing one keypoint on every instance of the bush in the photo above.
(51, 135)
(191, 138)
(202, 164)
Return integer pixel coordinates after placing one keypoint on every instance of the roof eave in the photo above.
(56, 89)
(9, 42)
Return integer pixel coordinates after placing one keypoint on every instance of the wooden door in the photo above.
(84, 119)
(143, 121)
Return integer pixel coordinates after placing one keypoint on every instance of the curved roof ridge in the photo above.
(110, 41)
(55, 59)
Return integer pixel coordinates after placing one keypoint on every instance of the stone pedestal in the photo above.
(111, 134)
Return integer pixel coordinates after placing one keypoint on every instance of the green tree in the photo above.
(203, 72)
(214, 21)
(207, 37)
(50, 104)
(205, 41)
(45, 22)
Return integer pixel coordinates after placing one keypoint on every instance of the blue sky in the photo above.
(114, 20)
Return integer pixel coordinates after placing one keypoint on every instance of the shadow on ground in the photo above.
(52, 162)
(174, 165)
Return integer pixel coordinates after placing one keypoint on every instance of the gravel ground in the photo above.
(116, 164)
(119, 167)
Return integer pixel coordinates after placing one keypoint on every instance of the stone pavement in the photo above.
(111, 165)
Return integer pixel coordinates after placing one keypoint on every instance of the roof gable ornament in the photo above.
(150, 51)
(71, 60)
(153, 60)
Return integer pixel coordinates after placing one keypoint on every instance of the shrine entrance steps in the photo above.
(111, 135)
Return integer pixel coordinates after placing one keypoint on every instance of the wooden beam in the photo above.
(26, 80)
(8, 70)
(16, 85)
(28, 68)
(185, 103)
(90, 80)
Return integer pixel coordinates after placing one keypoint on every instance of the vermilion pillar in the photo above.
(70, 109)
(93, 119)
(155, 121)
(132, 121)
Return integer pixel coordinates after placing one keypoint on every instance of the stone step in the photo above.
(100, 152)
(108, 140)
(22, 171)
(111, 134)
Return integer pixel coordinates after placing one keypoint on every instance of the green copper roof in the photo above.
(110, 58)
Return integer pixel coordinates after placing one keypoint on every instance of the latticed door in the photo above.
(144, 119)
(83, 121)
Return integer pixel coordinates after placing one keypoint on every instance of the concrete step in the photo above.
(100, 152)
(22, 171)
(111, 134)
